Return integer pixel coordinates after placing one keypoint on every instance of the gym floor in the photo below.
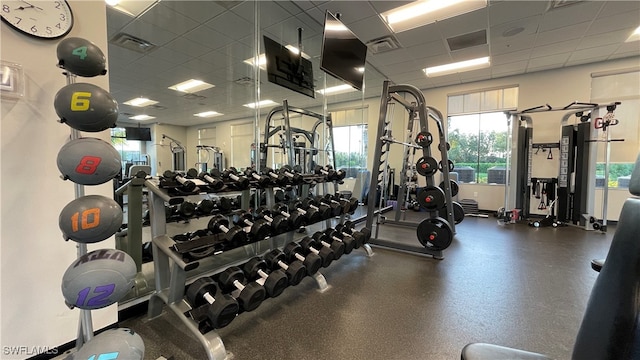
(511, 285)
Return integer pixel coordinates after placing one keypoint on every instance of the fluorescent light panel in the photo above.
(207, 114)
(635, 36)
(191, 86)
(424, 12)
(262, 103)
(140, 102)
(142, 117)
(336, 89)
(131, 7)
(457, 67)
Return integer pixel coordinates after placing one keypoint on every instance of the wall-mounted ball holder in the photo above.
(99, 278)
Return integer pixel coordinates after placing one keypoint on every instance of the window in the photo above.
(350, 148)
(130, 150)
(478, 134)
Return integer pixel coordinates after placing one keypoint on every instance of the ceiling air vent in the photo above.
(382, 44)
(132, 43)
(467, 40)
(554, 4)
(244, 81)
(192, 96)
(159, 107)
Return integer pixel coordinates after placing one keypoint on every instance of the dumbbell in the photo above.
(249, 295)
(324, 210)
(185, 209)
(192, 173)
(214, 183)
(328, 172)
(234, 235)
(348, 240)
(311, 261)
(347, 205)
(338, 247)
(336, 208)
(279, 224)
(227, 203)
(310, 246)
(221, 311)
(239, 182)
(174, 176)
(274, 282)
(296, 218)
(295, 271)
(358, 237)
(260, 228)
(294, 177)
(348, 228)
(279, 179)
(312, 214)
(263, 181)
(205, 207)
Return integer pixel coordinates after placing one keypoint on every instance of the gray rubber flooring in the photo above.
(510, 285)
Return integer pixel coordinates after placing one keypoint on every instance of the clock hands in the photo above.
(31, 6)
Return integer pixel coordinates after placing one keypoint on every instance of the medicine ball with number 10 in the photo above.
(89, 161)
(91, 218)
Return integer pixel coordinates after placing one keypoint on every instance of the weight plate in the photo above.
(448, 147)
(431, 198)
(86, 107)
(426, 166)
(89, 161)
(435, 233)
(454, 187)
(424, 139)
(451, 166)
(458, 212)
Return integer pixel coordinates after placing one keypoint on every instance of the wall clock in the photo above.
(41, 19)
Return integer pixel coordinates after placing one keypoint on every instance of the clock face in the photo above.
(42, 19)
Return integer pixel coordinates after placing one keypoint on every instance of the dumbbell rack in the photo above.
(423, 112)
(170, 270)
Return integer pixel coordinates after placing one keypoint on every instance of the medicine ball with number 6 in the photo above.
(98, 279)
(86, 107)
(89, 219)
(81, 57)
(89, 161)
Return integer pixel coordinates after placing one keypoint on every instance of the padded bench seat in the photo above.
(482, 351)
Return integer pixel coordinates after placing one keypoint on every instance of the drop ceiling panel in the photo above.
(557, 59)
(166, 54)
(154, 65)
(518, 66)
(475, 75)
(465, 23)
(575, 31)
(419, 35)
(149, 32)
(116, 20)
(470, 53)
(161, 15)
(505, 12)
(530, 25)
(208, 37)
(603, 39)
(630, 47)
(560, 47)
(616, 22)
(200, 11)
(593, 52)
(188, 47)
(570, 15)
(433, 61)
(511, 57)
(121, 55)
(573, 62)
(231, 25)
(349, 12)
(619, 7)
(432, 48)
(382, 6)
(369, 28)
(509, 45)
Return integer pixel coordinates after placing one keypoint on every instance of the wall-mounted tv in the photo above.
(343, 54)
(288, 69)
(138, 133)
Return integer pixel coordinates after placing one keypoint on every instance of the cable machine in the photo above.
(178, 154)
(577, 168)
(209, 155)
(435, 233)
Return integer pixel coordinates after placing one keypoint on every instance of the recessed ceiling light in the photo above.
(262, 103)
(140, 102)
(132, 8)
(191, 86)
(457, 67)
(142, 117)
(336, 89)
(207, 114)
(423, 12)
(635, 36)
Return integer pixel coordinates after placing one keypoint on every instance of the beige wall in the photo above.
(33, 254)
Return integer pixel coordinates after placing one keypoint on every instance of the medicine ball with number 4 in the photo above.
(81, 57)
(89, 161)
(86, 107)
(89, 219)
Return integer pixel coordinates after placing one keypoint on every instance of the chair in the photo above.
(610, 327)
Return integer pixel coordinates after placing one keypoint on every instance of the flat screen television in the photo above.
(137, 133)
(343, 54)
(288, 69)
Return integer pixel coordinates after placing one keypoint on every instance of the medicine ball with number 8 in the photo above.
(86, 107)
(89, 161)
(91, 218)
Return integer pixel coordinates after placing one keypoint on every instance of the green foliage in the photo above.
(615, 170)
(350, 160)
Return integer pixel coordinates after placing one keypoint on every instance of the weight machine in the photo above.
(435, 233)
(209, 155)
(577, 170)
(178, 154)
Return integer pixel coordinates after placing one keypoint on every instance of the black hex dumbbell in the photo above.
(294, 177)
(296, 218)
(359, 238)
(324, 210)
(279, 224)
(311, 261)
(295, 270)
(215, 183)
(262, 180)
(274, 282)
(221, 311)
(259, 228)
(349, 242)
(328, 172)
(234, 235)
(311, 246)
(249, 295)
(312, 214)
(205, 207)
(349, 228)
(336, 207)
(185, 209)
(324, 240)
(240, 182)
(174, 176)
(279, 179)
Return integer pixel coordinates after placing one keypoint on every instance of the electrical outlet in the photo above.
(475, 194)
